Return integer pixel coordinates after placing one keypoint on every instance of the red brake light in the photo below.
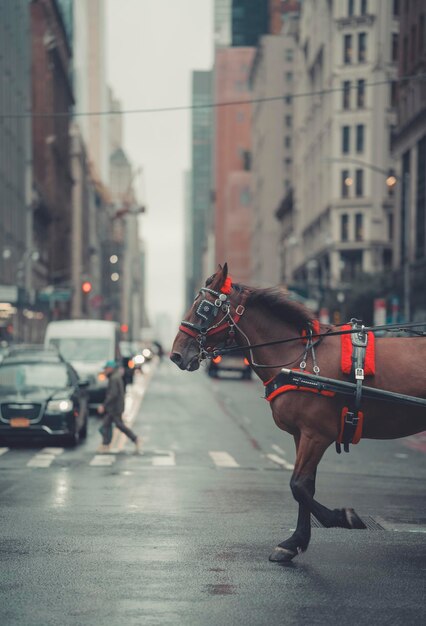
(217, 359)
(246, 361)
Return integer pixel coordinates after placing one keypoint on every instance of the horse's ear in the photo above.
(225, 271)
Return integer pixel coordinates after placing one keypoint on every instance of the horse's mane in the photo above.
(276, 300)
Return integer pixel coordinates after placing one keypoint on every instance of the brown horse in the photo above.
(256, 316)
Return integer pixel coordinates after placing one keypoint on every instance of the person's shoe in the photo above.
(138, 445)
(103, 449)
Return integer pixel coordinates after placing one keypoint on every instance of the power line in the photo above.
(208, 105)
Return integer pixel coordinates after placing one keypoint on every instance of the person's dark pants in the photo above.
(106, 429)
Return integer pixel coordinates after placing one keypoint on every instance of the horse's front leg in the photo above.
(299, 540)
(309, 453)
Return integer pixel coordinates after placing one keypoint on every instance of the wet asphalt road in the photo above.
(182, 534)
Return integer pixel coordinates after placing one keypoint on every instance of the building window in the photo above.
(364, 6)
(362, 47)
(287, 142)
(421, 33)
(395, 9)
(350, 7)
(360, 138)
(346, 139)
(245, 196)
(405, 55)
(289, 76)
(289, 54)
(421, 200)
(359, 225)
(346, 182)
(394, 47)
(394, 93)
(360, 94)
(413, 43)
(346, 94)
(344, 227)
(390, 226)
(287, 99)
(347, 49)
(288, 121)
(359, 183)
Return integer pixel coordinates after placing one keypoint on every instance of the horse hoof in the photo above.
(354, 521)
(282, 555)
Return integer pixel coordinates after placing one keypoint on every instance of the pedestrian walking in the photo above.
(113, 408)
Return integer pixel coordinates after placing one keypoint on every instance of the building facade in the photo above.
(346, 65)
(232, 138)
(272, 81)
(410, 153)
(201, 179)
(16, 244)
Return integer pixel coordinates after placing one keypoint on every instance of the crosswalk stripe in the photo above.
(54, 451)
(168, 460)
(41, 460)
(223, 459)
(280, 461)
(3, 450)
(102, 460)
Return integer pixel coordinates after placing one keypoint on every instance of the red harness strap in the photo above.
(286, 388)
(346, 354)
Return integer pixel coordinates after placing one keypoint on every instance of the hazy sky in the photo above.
(152, 47)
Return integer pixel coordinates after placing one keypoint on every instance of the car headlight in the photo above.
(62, 406)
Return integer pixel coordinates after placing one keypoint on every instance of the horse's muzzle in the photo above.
(184, 364)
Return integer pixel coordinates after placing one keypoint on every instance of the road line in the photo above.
(280, 461)
(54, 451)
(3, 450)
(223, 459)
(165, 460)
(102, 460)
(41, 460)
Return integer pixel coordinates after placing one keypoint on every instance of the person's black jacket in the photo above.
(114, 399)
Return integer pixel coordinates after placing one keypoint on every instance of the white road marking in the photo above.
(3, 450)
(41, 460)
(54, 451)
(102, 460)
(223, 459)
(164, 461)
(280, 461)
(278, 449)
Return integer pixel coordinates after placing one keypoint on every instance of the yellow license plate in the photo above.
(19, 422)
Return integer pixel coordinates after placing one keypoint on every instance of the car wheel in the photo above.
(72, 440)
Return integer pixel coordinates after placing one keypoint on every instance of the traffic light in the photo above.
(86, 286)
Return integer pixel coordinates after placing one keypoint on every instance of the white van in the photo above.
(87, 345)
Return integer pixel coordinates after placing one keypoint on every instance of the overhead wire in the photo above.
(208, 105)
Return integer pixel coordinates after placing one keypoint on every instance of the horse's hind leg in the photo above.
(309, 454)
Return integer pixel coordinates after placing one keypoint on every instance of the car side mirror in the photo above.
(83, 383)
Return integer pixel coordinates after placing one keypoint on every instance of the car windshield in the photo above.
(22, 377)
(83, 348)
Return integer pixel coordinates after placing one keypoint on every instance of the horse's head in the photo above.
(206, 323)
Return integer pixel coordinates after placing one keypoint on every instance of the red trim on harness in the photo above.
(188, 331)
(346, 354)
(286, 388)
(358, 432)
(315, 327)
(227, 285)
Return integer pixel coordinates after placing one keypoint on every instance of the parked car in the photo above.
(87, 345)
(235, 361)
(41, 397)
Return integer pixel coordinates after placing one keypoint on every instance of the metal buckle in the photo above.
(239, 310)
(359, 373)
(351, 418)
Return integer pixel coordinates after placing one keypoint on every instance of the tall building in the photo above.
(272, 83)
(222, 22)
(90, 82)
(232, 157)
(250, 20)
(343, 208)
(15, 161)
(201, 169)
(52, 102)
(410, 153)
